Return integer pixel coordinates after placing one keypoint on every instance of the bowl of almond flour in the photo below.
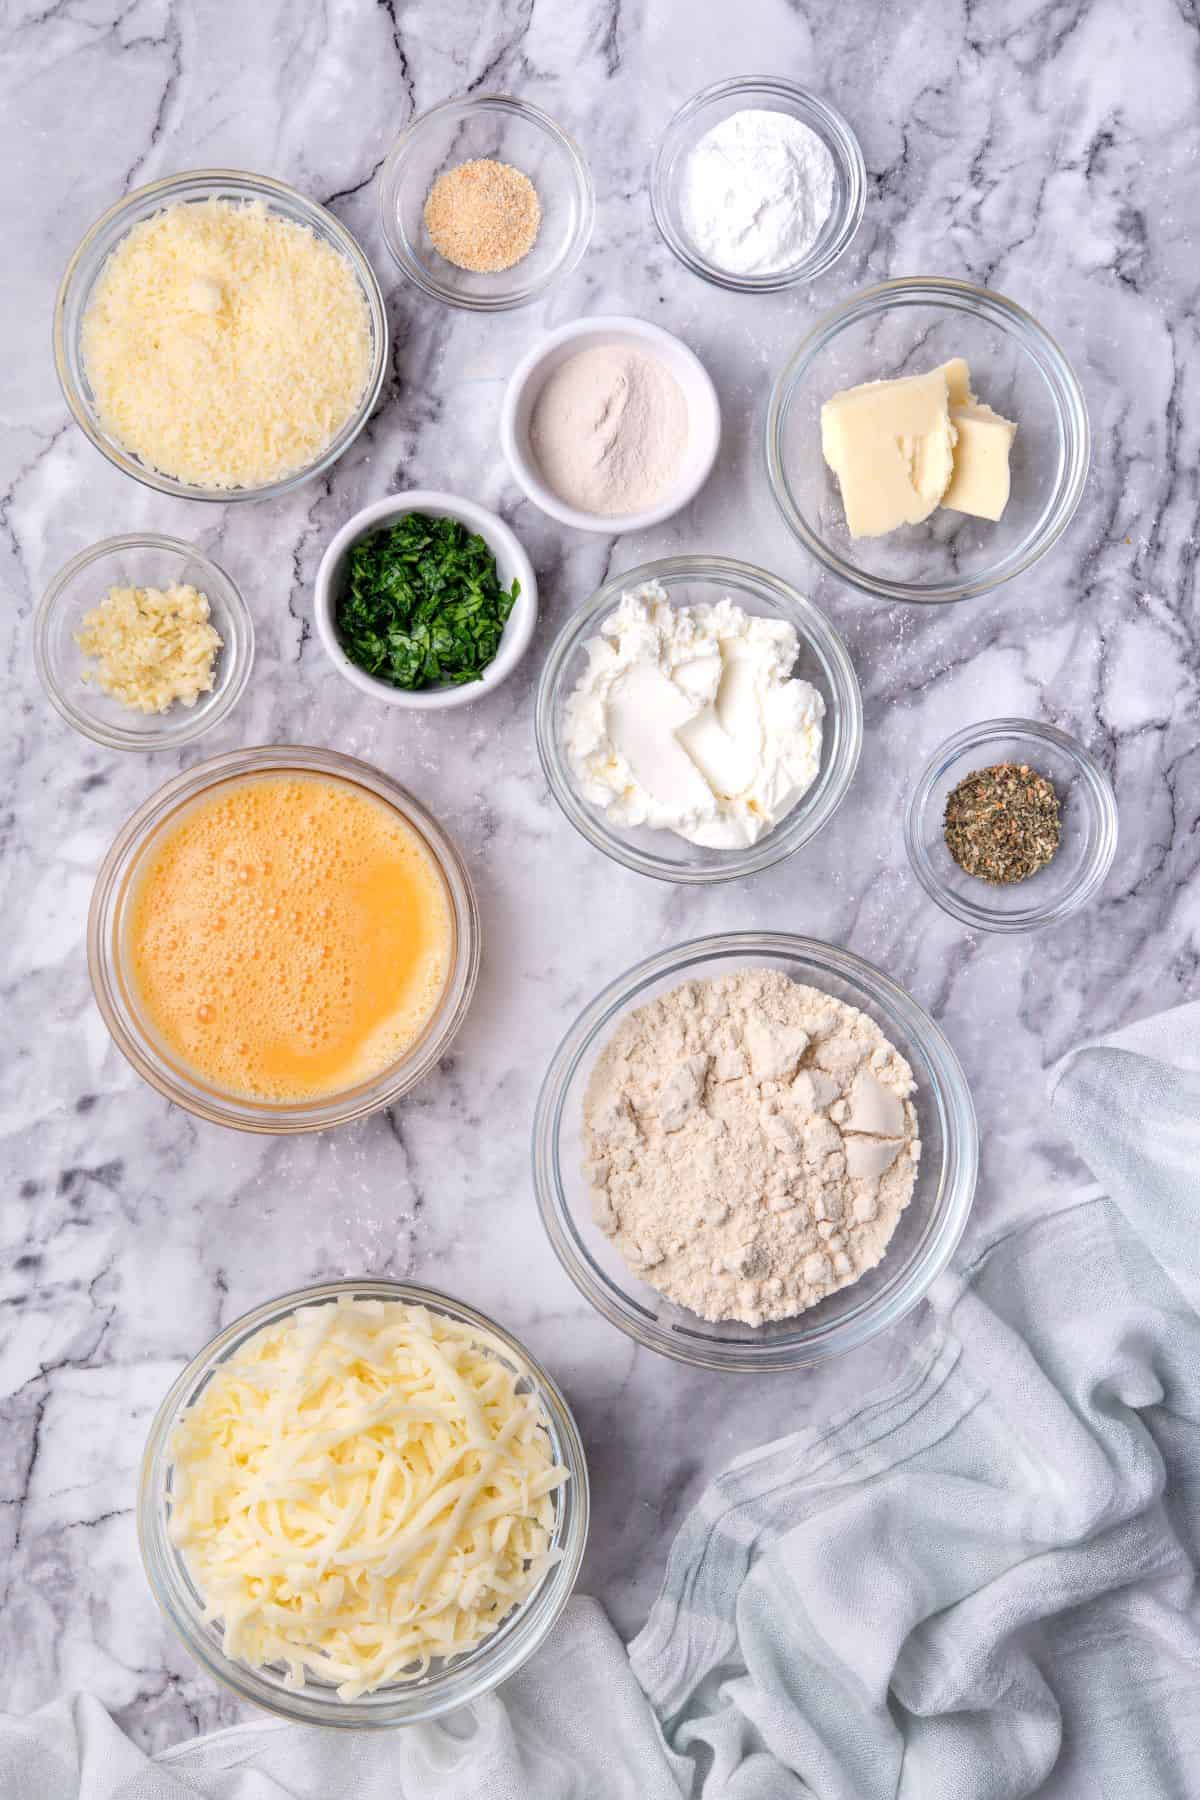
(754, 1151)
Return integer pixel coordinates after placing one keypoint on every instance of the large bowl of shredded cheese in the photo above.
(363, 1504)
(218, 336)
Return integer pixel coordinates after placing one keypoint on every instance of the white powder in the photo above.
(609, 430)
(752, 1144)
(756, 191)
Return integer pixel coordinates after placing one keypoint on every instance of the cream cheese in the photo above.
(687, 719)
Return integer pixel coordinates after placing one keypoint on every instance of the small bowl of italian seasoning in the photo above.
(484, 202)
(1012, 826)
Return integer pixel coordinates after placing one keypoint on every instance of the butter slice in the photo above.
(891, 446)
(980, 482)
(958, 382)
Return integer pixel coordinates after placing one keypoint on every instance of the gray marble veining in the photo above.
(1048, 150)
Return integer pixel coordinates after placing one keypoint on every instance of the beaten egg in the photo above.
(290, 937)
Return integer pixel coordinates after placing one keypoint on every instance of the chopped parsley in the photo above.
(422, 604)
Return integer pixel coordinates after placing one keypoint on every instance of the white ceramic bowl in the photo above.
(548, 354)
(511, 562)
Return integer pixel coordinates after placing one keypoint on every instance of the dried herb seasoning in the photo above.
(1002, 824)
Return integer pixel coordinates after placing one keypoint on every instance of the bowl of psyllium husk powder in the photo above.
(610, 424)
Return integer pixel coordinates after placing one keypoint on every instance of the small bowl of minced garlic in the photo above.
(143, 643)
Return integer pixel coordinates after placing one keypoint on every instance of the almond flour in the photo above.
(752, 1143)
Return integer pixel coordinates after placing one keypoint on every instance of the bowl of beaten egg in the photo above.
(430, 1527)
(218, 336)
(283, 939)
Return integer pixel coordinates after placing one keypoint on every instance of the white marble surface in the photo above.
(1050, 151)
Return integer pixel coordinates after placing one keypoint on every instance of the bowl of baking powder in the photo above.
(610, 424)
(758, 184)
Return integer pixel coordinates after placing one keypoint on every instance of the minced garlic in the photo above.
(152, 646)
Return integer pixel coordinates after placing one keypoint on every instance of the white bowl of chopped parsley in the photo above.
(425, 600)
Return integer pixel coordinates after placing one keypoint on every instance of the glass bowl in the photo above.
(929, 1228)
(904, 328)
(140, 560)
(823, 660)
(89, 259)
(443, 1687)
(508, 130)
(116, 994)
(1089, 827)
(768, 94)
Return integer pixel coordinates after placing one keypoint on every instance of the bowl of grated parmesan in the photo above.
(143, 643)
(219, 336)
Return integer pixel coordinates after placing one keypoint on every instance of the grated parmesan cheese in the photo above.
(225, 345)
(361, 1488)
(152, 646)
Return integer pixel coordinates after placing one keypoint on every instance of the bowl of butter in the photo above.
(927, 441)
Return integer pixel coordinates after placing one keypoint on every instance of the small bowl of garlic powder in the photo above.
(143, 643)
(484, 202)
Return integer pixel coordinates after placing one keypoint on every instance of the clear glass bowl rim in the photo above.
(458, 1685)
(1070, 411)
(796, 829)
(507, 299)
(853, 167)
(192, 183)
(104, 962)
(1095, 870)
(230, 686)
(814, 1343)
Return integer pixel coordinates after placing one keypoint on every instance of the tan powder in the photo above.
(751, 1144)
(609, 430)
(483, 216)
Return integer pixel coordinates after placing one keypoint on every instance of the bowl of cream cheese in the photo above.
(699, 719)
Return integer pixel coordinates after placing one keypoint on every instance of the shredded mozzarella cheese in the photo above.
(363, 1488)
(152, 646)
(225, 344)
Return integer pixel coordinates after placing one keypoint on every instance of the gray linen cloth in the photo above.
(979, 1584)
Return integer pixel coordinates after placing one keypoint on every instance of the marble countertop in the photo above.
(1048, 151)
